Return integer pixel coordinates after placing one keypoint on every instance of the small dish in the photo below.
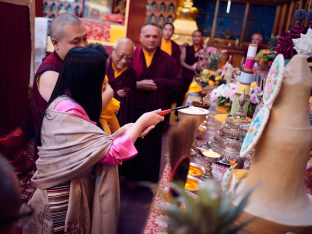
(196, 170)
(192, 183)
(209, 153)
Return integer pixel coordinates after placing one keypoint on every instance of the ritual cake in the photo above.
(229, 138)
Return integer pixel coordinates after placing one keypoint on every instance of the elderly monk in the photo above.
(67, 31)
(157, 83)
(188, 62)
(168, 45)
(122, 79)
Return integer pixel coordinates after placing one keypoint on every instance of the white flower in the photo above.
(225, 92)
(303, 45)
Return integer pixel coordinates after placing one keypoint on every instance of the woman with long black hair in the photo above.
(77, 176)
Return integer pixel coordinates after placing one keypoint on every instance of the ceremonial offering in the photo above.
(201, 103)
(281, 135)
(197, 113)
(271, 90)
(251, 55)
(209, 153)
(229, 138)
(209, 157)
(196, 170)
(192, 183)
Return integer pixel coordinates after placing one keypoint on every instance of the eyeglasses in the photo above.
(123, 56)
(22, 218)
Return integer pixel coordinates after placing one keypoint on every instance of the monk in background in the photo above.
(157, 85)
(122, 79)
(168, 45)
(188, 62)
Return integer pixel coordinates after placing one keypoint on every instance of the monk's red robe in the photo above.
(126, 81)
(190, 59)
(187, 74)
(38, 105)
(164, 71)
(176, 52)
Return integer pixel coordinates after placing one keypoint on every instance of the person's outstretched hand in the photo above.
(145, 124)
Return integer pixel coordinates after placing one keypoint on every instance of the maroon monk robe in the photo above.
(126, 81)
(175, 51)
(165, 73)
(38, 105)
(187, 74)
(190, 59)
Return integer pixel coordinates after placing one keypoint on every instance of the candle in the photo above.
(250, 60)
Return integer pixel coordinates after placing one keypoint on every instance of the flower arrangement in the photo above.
(255, 99)
(303, 45)
(223, 94)
(208, 58)
(265, 58)
(285, 44)
(209, 77)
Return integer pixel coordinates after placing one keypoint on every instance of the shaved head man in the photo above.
(122, 53)
(150, 37)
(67, 31)
(122, 79)
(156, 87)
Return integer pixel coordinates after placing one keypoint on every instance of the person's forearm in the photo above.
(187, 66)
(135, 131)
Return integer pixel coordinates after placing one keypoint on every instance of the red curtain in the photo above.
(15, 60)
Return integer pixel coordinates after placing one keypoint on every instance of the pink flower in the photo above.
(256, 90)
(211, 50)
(254, 98)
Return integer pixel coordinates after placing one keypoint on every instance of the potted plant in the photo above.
(210, 212)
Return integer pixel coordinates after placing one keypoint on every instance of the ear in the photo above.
(54, 43)
(140, 38)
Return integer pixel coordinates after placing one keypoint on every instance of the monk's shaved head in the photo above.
(123, 42)
(57, 27)
(147, 26)
(67, 31)
(150, 37)
(122, 53)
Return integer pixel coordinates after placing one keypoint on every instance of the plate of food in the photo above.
(196, 170)
(192, 183)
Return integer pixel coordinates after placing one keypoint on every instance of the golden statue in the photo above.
(185, 22)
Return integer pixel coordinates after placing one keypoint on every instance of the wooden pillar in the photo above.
(244, 21)
(290, 15)
(282, 19)
(276, 20)
(213, 29)
(136, 19)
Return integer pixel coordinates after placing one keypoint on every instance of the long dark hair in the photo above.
(81, 78)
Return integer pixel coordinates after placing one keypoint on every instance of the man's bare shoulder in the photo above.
(47, 82)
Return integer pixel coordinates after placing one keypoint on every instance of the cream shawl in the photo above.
(71, 148)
